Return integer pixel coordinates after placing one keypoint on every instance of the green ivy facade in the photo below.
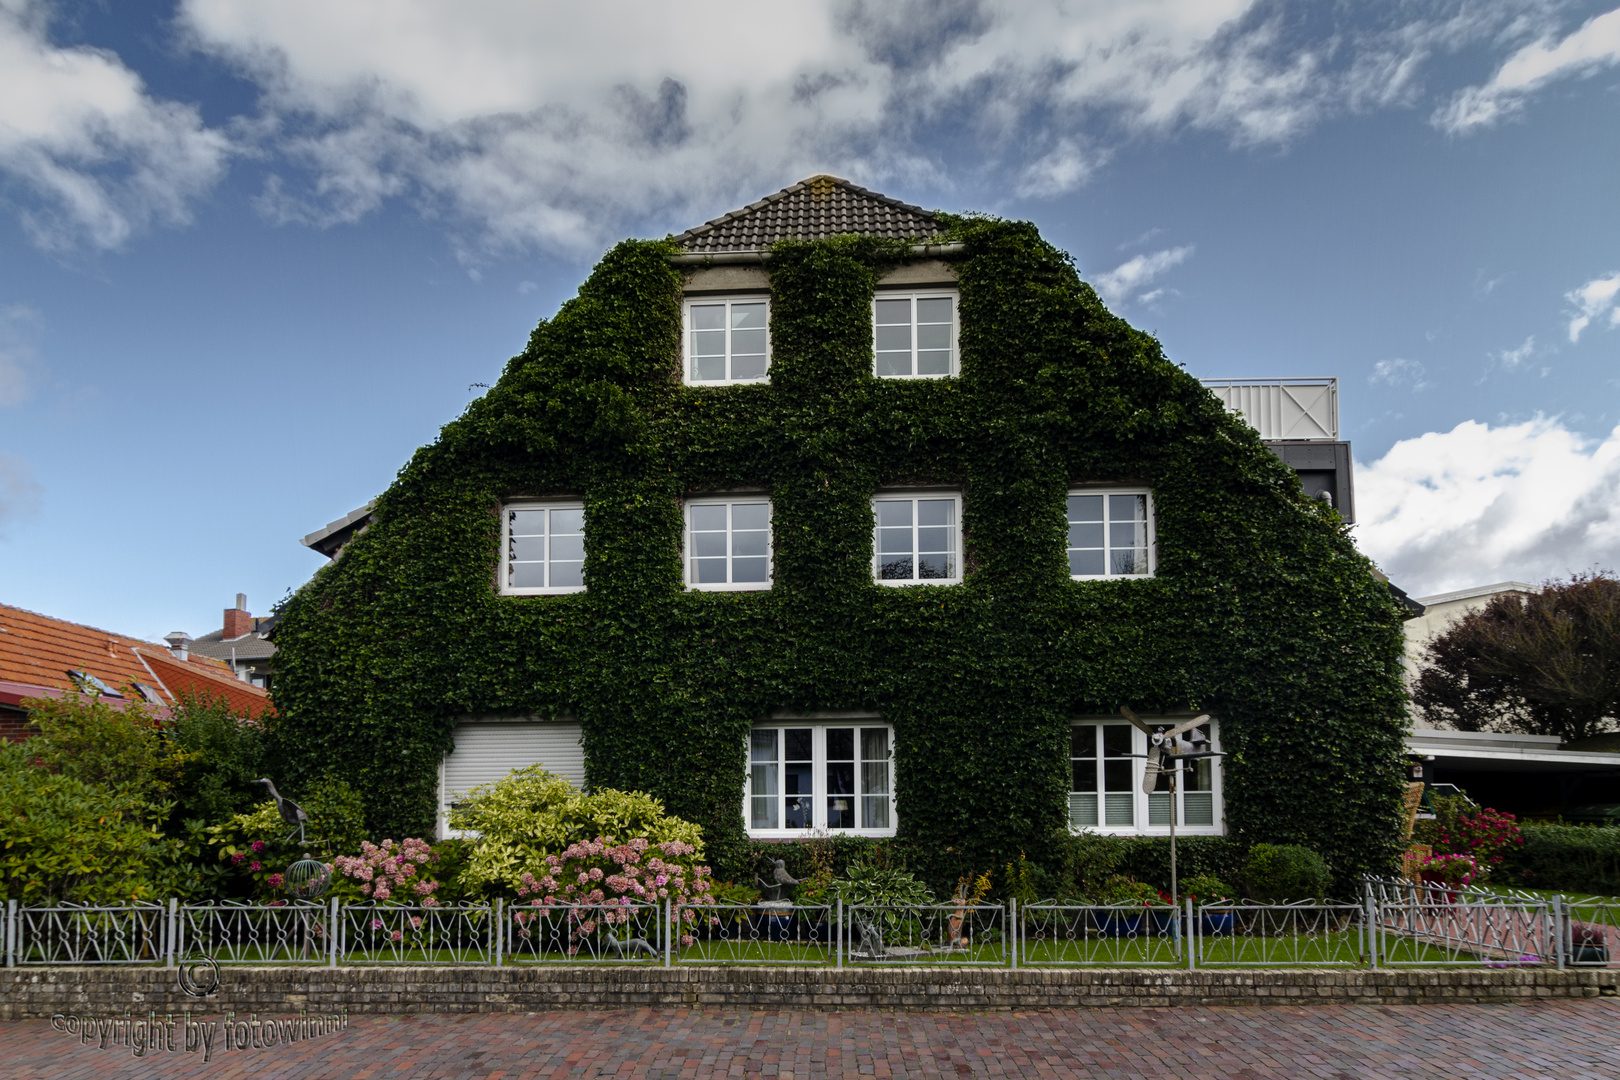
(1261, 611)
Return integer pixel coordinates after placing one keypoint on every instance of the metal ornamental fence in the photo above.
(1397, 924)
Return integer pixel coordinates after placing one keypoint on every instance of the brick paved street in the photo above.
(1555, 1040)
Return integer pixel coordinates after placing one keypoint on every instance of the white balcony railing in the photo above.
(1283, 408)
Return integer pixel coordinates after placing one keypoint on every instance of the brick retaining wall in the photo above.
(39, 992)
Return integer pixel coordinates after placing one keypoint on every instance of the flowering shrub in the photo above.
(605, 872)
(1483, 834)
(390, 871)
(1453, 869)
(532, 814)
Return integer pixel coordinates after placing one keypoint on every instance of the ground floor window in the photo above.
(1107, 759)
(833, 776)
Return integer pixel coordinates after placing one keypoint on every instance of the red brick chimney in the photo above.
(237, 619)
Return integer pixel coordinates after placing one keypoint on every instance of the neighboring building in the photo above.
(1299, 421)
(42, 657)
(1439, 612)
(868, 536)
(243, 642)
(1521, 774)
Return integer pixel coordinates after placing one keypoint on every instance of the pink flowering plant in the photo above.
(1454, 870)
(601, 885)
(1460, 828)
(390, 872)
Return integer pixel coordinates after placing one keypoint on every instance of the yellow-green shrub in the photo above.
(533, 813)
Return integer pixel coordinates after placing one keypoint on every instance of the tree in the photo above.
(1547, 664)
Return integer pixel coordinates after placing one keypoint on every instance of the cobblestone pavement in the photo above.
(1556, 1040)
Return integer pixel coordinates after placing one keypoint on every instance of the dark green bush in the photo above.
(1573, 858)
(1276, 873)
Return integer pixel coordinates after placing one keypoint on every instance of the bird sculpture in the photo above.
(290, 812)
(630, 945)
(780, 880)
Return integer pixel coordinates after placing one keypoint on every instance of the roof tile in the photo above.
(812, 209)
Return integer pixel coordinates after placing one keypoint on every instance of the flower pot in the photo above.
(1437, 890)
(1588, 944)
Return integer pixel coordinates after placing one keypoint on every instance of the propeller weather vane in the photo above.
(1186, 741)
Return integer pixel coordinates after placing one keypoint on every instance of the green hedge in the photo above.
(1573, 858)
(1261, 611)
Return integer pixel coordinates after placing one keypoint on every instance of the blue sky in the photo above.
(255, 252)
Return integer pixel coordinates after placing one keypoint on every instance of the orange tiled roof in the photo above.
(204, 677)
(37, 650)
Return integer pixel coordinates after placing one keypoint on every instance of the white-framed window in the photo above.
(728, 340)
(1107, 759)
(833, 776)
(914, 334)
(917, 538)
(1111, 533)
(543, 544)
(728, 542)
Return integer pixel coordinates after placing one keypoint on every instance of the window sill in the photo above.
(1147, 830)
(812, 834)
(1112, 577)
(904, 584)
(745, 587)
(544, 592)
(727, 382)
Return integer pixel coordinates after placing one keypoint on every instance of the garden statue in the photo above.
(290, 812)
(771, 891)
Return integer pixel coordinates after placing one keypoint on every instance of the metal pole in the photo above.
(333, 930)
(171, 929)
(1560, 921)
(838, 936)
(669, 932)
(499, 929)
(1012, 929)
(1174, 773)
(1191, 936)
(1370, 919)
(11, 933)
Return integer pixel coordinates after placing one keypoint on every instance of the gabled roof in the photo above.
(37, 652)
(329, 539)
(250, 646)
(204, 678)
(812, 209)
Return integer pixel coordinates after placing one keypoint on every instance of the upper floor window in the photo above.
(835, 776)
(914, 335)
(1107, 760)
(918, 538)
(728, 542)
(727, 340)
(545, 548)
(1111, 534)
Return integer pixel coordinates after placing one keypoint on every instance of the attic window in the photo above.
(89, 684)
(151, 695)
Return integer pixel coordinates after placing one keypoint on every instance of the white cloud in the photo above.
(1512, 359)
(78, 130)
(1592, 301)
(19, 361)
(1116, 286)
(1596, 44)
(1480, 504)
(1398, 372)
(561, 125)
(20, 495)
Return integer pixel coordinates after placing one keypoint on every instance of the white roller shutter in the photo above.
(485, 753)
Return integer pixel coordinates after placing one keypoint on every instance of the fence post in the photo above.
(11, 933)
(1560, 923)
(1371, 920)
(1191, 937)
(669, 932)
(498, 928)
(332, 932)
(170, 929)
(1012, 929)
(838, 936)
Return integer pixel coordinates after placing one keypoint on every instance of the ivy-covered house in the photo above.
(836, 515)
